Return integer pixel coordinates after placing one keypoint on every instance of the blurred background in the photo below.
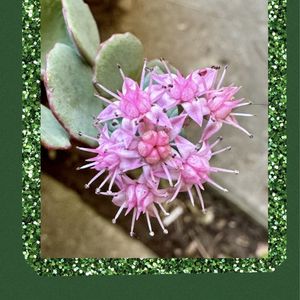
(189, 34)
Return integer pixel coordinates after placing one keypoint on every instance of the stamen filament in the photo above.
(225, 170)
(114, 220)
(94, 178)
(112, 180)
(221, 150)
(219, 139)
(244, 104)
(163, 209)
(133, 222)
(200, 198)
(87, 136)
(191, 196)
(98, 189)
(165, 231)
(242, 115)
(216, 185)
(99, 85)
(222, 77)
(103, 99)
(151, 233)
(167, 68)
(87, 166)
(143, 74)
(121, 72)
(240, 128)
(167, 173)
(176, 192)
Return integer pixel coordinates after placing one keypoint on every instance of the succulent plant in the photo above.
(72, 57)
(140, 110)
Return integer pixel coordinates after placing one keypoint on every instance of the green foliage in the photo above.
(53, 28)
(70, 92)
(53, 135)
(123, 49)
(82, 28)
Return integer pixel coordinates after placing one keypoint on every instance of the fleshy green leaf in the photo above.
(82, 28)
(53, 135)
(123, 49)
(70, 92)
(53, 28)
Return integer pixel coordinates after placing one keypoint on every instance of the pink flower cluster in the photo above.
(149, 142)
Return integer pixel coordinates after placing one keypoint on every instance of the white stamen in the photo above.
(98, 189)
(178, 181)
(87, 136)
(143, 74)
(121, 72)
(163, 209)
(86, 149)
(221, 150)
(97, 84)
(165, 231)
(242, 115)
(103, 99)
(216, 185)
(219, 139)
(151, 233)
(244, 104)
(133, 222)
(191, 196)
(225, 170)
(200, 198)
(176, 192)
(222, 77)
(114, 220)
(167, 173)
(167, 68)
(240, 128)
(87, 166)
(112, 180)
(94, 178)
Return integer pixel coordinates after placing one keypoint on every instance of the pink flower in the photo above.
(221, 105)
(147, 139)
(140, 197)
(133, 103)
(196, 169)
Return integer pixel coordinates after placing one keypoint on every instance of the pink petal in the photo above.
(184, 146)
(177, 123)
(158, 117)
(211, 128)
(110, 112)
(194, 110)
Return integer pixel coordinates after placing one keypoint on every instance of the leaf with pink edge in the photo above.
(53, 28)
(70, 92)
(53, 135)
(82, 28)
(125, 50)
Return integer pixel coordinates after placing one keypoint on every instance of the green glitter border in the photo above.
(31, 199)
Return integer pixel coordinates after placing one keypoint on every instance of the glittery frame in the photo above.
(31, 200)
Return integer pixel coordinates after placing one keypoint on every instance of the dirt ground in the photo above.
(190, 34)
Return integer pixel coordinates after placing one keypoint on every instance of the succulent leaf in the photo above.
(53, 28)
(70, 92)
(82, 28)
(53, 135)
(123, 49)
